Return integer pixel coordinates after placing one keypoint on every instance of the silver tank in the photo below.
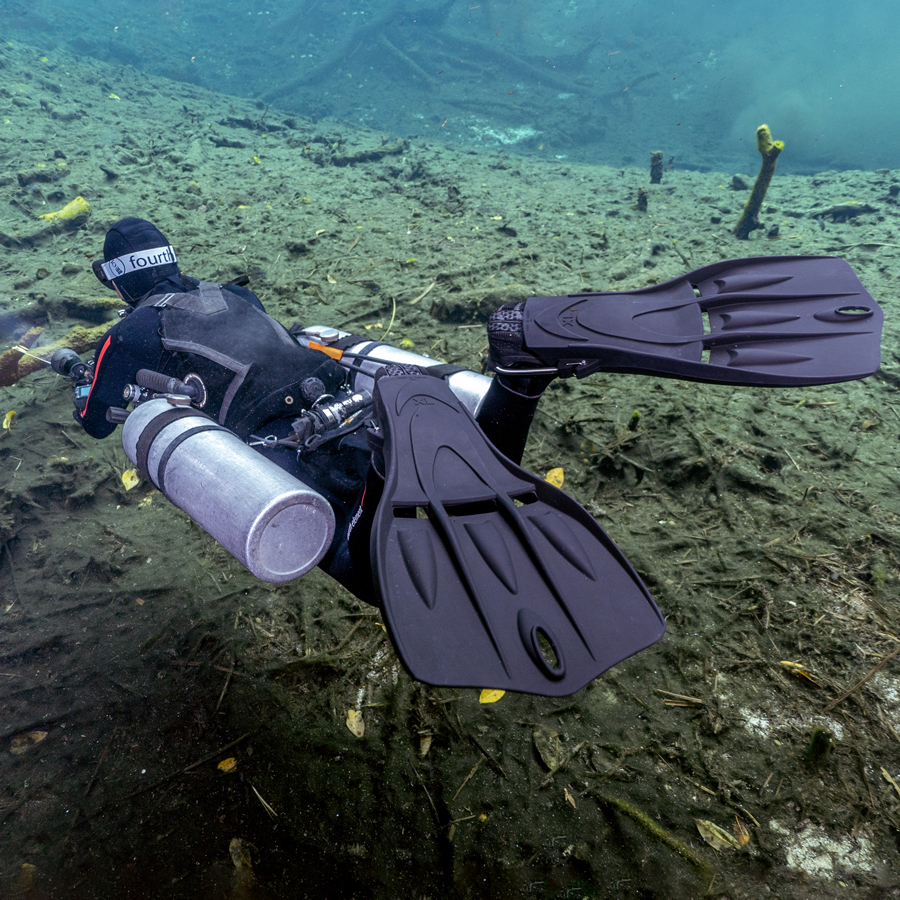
(469, 387)
(265, 518)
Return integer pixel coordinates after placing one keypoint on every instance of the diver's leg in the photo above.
(349, 561)
(511, 401)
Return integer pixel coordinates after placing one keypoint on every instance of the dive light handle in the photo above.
(164, 384)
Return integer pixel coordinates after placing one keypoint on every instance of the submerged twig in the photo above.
(656, 830)
(862, 680)
(266, 806)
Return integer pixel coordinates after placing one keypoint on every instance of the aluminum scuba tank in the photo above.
(364, 359)
(270, 521)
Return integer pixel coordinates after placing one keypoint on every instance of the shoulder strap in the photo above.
(205, 301)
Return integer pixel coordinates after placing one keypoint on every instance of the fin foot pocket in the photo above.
(508, 583)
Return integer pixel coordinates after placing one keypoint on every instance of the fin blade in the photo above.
(417, 553)
(813, 308)
(491, 545)
(495, 568)
(564, 541)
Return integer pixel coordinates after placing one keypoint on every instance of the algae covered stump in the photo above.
(769, 151)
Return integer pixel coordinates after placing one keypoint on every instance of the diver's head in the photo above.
(136, 257)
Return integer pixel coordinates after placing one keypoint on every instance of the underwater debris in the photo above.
(21, 743)
(13, 366)
(717, 838)
(821, 743)
(547, 744)
(355, 723)
(642, 197)
(769, 151)
(655, 830)
(841, 212)
(656, 166)
(9, 361)
(73, 208)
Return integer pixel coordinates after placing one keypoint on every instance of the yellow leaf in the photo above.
(332, 279)
(355, 722)
(114, 97)
(130, 479)
(74, 208)
(8, 419)
(570, 798)
(406, 344)
(800, 670)
(556, 477)
(717, 838)
(496, 218)
(227, 765)
(490, 696)
(22, 742)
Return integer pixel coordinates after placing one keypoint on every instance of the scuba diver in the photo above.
(400, 477)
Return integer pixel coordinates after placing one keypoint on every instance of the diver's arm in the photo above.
(132, 344)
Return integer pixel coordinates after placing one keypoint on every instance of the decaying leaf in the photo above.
(355, 722)
(741, 832)
(130, 479)
(891, 781)
(425, 743)
(569, 798)
(717, 838)
(546, 740)
(227, 765)
(490, 696)
(23, 886)
(240, 854)
(22, 742)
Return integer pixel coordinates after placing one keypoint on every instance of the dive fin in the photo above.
(487, 575)
(767, 321)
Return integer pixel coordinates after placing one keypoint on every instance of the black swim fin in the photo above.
(487, 575)
(767, 321)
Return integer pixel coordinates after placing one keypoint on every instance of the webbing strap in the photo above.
(173, 446)
(149, 434)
